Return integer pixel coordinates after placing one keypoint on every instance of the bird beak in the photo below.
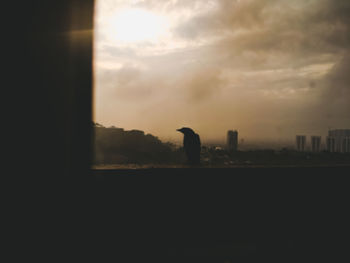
(179, 130)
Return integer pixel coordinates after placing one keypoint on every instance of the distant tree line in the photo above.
(117, 146)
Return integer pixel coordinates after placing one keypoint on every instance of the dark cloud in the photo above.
(202, 85)
(299, 27)
(271, 34)
(336, 95)
(339, 78)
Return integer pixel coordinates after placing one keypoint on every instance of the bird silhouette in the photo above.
(192, 145)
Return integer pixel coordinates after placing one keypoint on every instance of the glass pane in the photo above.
(260, 82)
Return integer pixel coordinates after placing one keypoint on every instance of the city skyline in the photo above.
(305, 143)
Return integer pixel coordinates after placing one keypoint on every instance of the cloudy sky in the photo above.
(269, 68)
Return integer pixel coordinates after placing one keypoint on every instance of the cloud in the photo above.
(336, 94)
(126, 84)
(202, 85)
(302, 28)
(285, 36)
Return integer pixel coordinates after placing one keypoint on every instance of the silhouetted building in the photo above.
(232, 140)
(345, 146)
(301, 142)
(315, 143)
(330, 142)
(341, 139)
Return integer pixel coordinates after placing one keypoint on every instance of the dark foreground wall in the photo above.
(221, 215)
(187, 215)
(50, 80)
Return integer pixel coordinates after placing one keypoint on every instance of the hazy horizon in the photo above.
(244, 143)
(270, 69)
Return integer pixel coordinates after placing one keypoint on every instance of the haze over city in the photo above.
(269, 68)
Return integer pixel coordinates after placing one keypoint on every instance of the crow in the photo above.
(192, 145)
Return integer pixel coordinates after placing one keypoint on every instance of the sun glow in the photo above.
(136, 25)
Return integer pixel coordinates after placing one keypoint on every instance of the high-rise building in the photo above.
(330, 141)
(315, 143)
(340, 139)
(301, 142)
(345, 146)
(232, 140)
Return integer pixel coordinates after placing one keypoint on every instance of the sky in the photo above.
(270, 69)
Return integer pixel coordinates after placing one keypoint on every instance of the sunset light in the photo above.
(135, 25)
